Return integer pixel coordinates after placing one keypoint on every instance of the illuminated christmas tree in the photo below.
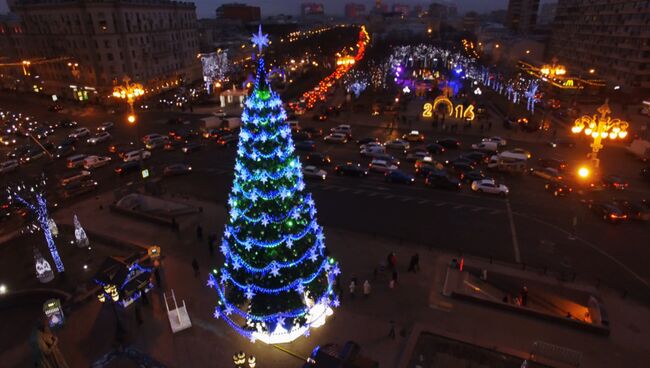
(79, 233)
(276, 281)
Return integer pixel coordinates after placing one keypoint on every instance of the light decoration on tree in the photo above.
(215, 66)
(79, 234)
(356, 82)
(34, 200)
(531, 96)
(53, 228)
(44, 271)
(276, 280)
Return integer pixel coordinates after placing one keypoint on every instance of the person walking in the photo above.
(366, 289)
(391, 332)
(414, 264)
(195, 267)
(199, 232)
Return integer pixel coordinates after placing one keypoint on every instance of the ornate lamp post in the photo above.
(599, 128)
(129, 92)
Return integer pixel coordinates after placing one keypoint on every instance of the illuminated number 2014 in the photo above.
(428, 108)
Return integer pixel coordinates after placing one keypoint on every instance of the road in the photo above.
(530, 227)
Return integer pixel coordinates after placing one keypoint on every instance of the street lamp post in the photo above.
(129, 92)
(599, 128)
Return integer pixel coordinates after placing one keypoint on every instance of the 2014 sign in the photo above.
(458, 111)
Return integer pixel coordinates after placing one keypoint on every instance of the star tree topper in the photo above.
(260, 39)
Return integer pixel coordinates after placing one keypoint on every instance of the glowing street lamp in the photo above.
(129, 92)
(599, 128)
(583, 172)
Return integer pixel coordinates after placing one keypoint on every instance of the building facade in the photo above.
(608, 38)
(241, 12)
(355, 10)
(81, 48)
(522, 15)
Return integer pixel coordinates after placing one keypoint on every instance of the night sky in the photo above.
(206, 8)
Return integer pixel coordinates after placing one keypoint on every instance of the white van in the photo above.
(135, 155)
(75, 161)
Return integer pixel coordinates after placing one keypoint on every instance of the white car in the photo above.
(99, 137)
(371, 145)
(93, 162)
(135, 155)
(381, 166)
(79, 133)
(399, 144)
(419, 155)
(8, 166)
(372, 151)
(311, 171)
(336, 138)
(489, 186)
(342, 128)
(106, 126)
(151, 136)
(498, 140)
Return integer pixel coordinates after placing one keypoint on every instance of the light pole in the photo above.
(129, 92)
(599, 128)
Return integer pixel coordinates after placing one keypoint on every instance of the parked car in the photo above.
(227, 140)
(399, 176)
(554, 163)
(614, 182)
(422, 156)
(608, 211)
(192, 147)
(177, 169)
(489, 186)
(413, 136)
(301, 136)
(106, 126)
(150, 136)
(340, 138)
(638, 211)
(313, 132)
(8, 166)
(74, 176)
(350, 169)
(448, 143)
(75, 161)
(381, 166)
(78, 188)
(93, 162)
(313, 172)
(343, 129)
(474, 175)
(397, 144)
(558, 188)
(367, 140)
(435, 148)
(317, 159)
(501, 142)
(491, 147)
(371, 145)
(136, 155)
(441, 179)
(99, 137)
(306, 146)
(159, 142)
(63, 151)
(127, 167)
(520, 151)
(121, 148)
(66, 123)
(79, 133)
(547, 173)
(372, 151)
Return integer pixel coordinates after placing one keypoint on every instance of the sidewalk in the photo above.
(416, 304)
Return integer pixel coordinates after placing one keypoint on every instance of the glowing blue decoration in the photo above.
(260, 39)
(42, 216)
(272, 243)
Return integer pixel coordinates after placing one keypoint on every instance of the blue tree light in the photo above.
(33, 199)
(276, 280)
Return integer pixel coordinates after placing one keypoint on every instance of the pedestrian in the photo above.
(352, 287)
(138, 314)
(414, 264)
(366, 289)
(524, 296)
(195, 267)
(199, 232)
(391, 332)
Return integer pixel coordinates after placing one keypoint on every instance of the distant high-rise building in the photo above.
(241, 12)
(354, 10)
(311, 9)
(610, 38)
(80, 48)
(402, 9)
(547, 13)
(522, 15)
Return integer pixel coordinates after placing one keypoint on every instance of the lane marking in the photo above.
(358, 191)
(440, 204)
(406, 199)
(476, 209)
(458, 207)
(389, 196)
(515, 243)
(424, 201)
(373, 194)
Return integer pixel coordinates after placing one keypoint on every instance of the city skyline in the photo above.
(206, 8)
